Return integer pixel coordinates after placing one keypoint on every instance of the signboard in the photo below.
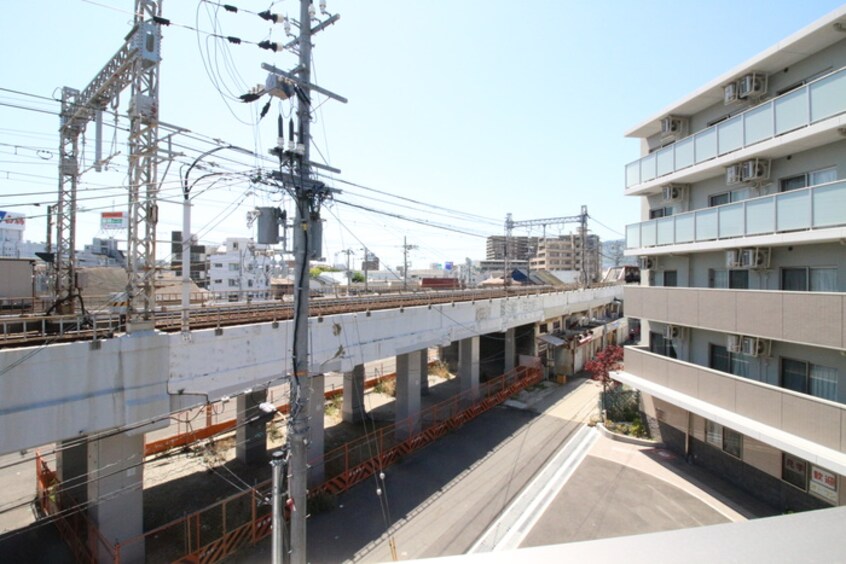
(448, 265)
(113, 220)
(14, 221)
(824, 484)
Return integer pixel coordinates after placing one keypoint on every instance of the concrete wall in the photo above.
(15, 278)
(62, 391)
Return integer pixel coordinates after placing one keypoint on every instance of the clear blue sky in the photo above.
(483, 107)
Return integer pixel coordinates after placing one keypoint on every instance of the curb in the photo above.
(627, 439)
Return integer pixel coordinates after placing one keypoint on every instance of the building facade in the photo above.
(241, 270)
(742, 358)
(520, 248)
(569, 253)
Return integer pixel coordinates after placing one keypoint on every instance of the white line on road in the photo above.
(512, 526)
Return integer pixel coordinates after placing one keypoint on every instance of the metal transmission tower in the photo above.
(309, 194)
(137, 64)
(510, 224)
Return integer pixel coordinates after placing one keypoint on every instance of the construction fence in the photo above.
(243, 519)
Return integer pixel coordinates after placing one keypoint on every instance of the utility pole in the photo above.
(308, 194)
(405, 248)
(366, 265)
(506, 271)
(349, 253)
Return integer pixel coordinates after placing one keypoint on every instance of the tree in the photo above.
(606, 361)
(357, 277)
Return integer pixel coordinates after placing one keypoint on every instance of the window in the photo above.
(807, 378)
(804, 279)
(233, 283)
(234, 267)
(723, 438)
(249, 283)
(218, 265)
(670, 278)
(660, 212)
(659, 345)
(731, 363)
(794, 471)
(728, 197)
(732, 442)
(218, 281)
(714, 434)
(735, 279)
(806, 179)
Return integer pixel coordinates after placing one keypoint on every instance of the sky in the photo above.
(458, 113)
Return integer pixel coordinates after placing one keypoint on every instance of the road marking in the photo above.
(512, 526)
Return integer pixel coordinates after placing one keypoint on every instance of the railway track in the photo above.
(32, 330)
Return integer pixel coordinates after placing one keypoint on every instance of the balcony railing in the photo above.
(797, 210)
(814, 102)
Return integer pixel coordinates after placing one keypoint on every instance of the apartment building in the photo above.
(241, 270)
(520, 247)
(569, 253)
(742, 359)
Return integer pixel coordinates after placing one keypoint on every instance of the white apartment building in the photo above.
(742, 358)
(241, 271)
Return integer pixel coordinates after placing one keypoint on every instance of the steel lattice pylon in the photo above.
(137, 64)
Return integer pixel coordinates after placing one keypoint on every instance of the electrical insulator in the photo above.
(286, 23)
(323, 7)
(311, 11)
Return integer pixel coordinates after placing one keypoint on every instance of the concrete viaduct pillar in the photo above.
(510, 349)
(424, 372)
(251, 429)
(468, 369)
(316, 437)
(407, 413)
(353, 410)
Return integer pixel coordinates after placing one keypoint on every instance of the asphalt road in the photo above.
(443, 497)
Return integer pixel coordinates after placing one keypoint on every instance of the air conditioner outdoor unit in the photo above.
(673, 332)
(733, 258)
(753, 85)
(730, 93)
(753, 346)
(755, 258)
(673, 125)
(673, 192)
(648, 263)
(755, 169)
(733, 343)
(734, 174)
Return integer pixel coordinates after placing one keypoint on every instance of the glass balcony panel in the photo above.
(684, 153)
(730, 135)
(706, 144)
(793, 210)
(632, 174)
(647, 234)
(647, 168)
(665, 230)
(828, 96)
(706, 224)
(633, 236)
(731, 220)
(665, 161)
(758, 123)
(684, 228)
(760, 216)
(830, 205)
(791, 111)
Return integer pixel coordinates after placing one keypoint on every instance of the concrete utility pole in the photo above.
(349, 253)
(308, 194)
(405, 248)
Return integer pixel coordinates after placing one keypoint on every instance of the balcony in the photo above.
(813, 318)
(805, 106)
(809, 427)
(802, 210)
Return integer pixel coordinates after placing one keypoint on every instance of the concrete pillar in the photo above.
(468, 369)
(510, 349)
(72, 468)
(352, 410)
(251, 436)
(115, 491)
(424, 372)
(407, 412)
(316, 441)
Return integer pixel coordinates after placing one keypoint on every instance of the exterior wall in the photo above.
(758, 471)
(15, 278)
(241, 272)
